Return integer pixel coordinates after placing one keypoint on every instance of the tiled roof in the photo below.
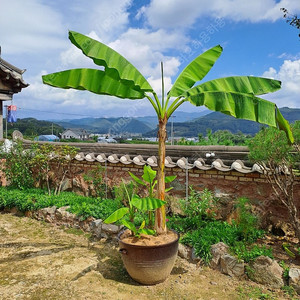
(182, 163)
(12, 74)
(220, 158)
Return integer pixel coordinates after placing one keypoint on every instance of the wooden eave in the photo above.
(11, 78)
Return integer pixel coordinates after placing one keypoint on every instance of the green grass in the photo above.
(35, 199)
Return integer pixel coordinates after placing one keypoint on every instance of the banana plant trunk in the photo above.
(160, 213)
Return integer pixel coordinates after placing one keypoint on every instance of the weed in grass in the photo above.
(251, 292)
(286, 270)
(248, 253)
(289, 291)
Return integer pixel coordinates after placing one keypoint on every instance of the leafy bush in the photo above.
(247, 222)
(199, 207)
(96, 178)
(199, 204)
(217, 231)
(211, 233)
(17, 166)
(202, 231)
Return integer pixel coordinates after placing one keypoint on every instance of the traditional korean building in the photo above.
(11, 82)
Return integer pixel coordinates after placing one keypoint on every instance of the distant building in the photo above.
(106, 140)
(75, 133)
(47, 138)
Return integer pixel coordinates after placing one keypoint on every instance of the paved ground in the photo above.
(39, 261)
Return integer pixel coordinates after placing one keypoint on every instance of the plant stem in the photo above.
(160, 213)
(162, 84)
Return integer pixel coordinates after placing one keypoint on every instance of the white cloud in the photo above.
(144, 49)
(44, 98)
(289, 75)
(289, 56)
(108, 18)
(29, 28)
(74, 58)
(184, 13)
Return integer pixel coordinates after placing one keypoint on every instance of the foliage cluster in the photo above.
(95, 178)
(279, 160)
(219, 137)
(34, 199)
(44, 164)
(201, 231)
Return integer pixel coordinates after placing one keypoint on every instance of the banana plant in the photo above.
(237, 96)
(135, 204)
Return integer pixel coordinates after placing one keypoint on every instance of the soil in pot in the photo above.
(149, 240)
(149, 259)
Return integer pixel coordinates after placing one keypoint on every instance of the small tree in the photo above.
(17, 166)
(237, 96)
(52, 164)
(279, 162)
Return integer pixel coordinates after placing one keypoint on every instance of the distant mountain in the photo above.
(179, 116)
(107, 125)
(34, 127)
(218, 121)
(121, 125)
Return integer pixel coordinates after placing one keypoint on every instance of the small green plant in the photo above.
(95, 178)
(149, 180)
(250, 292)
(200, 204)
(135, 204)
(289, 291)
(247, 222)
(138, 206)
(248, 253)
(286, 270)
(120, 191)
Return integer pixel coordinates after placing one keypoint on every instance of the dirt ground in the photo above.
(39, 261)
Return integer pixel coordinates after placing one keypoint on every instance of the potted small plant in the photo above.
(148, 258)
(237, 96)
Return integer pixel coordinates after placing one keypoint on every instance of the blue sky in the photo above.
(256, 41)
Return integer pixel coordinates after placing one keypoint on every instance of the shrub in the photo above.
(280, 163)
(17, 166)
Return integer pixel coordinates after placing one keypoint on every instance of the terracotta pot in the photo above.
(149, 264)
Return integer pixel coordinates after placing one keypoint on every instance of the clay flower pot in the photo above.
(149, 264)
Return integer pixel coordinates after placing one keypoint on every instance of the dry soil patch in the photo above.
(39, 261)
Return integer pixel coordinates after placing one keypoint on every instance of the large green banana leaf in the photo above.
(195, 71)
(115, 64)
(242, 106)
(117, 215)
(95, 81)
(147, 203)
(239, 84)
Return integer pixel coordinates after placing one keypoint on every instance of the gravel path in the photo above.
(39, 261)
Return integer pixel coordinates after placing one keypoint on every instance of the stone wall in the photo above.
(225, 185)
